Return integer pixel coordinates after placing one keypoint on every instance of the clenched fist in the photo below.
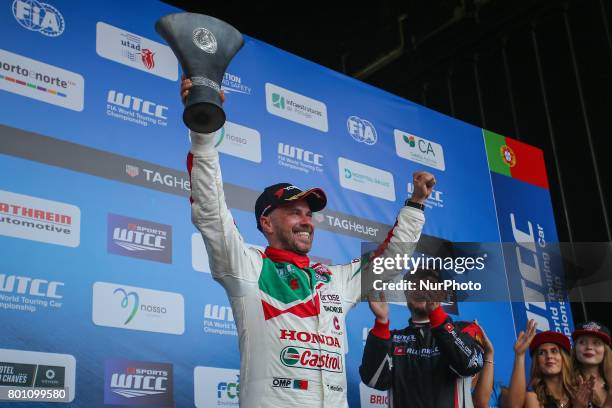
(423, 183)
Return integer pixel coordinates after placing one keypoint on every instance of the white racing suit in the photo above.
(290, 315)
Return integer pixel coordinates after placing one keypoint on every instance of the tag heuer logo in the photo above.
(131, 171)
(205, 40)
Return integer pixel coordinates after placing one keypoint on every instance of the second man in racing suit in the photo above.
(428, 364)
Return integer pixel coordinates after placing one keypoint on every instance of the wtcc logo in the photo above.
(136, 110)
(138, 383)
(38, 16)
(28, 294)
(219, 320)
(139, 238)
(299, 159)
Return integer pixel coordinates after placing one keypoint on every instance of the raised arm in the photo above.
(484, 387)
(518, 386)
(232, 263)
(401, 240)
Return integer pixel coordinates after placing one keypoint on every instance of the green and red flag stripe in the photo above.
(515, 159)
(300, 384)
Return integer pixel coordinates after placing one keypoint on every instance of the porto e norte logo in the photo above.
(38, 16)
(37, 80)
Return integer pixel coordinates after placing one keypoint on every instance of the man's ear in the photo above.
(266, 224)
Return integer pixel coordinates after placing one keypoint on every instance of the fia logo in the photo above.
(361, 130)
(37, 16)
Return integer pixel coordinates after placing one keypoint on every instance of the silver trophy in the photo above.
(204, 47)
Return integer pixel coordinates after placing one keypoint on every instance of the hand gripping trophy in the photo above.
(204, 47)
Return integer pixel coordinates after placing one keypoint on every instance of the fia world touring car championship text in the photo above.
(459, 265)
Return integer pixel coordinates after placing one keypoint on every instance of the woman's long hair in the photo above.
(605, 367)
(537, 378)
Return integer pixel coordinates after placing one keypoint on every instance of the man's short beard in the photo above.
(289, 242)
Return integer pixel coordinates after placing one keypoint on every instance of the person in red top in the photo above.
(428, 364)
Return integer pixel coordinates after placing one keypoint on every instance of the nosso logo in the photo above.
(37, 16)
(125, 302)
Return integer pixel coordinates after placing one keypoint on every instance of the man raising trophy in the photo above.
(292, 350)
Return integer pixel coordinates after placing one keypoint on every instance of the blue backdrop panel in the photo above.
(91, 131)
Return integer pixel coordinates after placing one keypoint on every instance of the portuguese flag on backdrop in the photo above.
(515, 159)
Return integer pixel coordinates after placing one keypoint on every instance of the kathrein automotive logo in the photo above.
(134, 308)
(37, 80)
(296, 107)
(33, 369)
(139, 238)
(436, 198)
(361, 130)
(233, 83)
(366, 179)
(138, 383)
(299, 159)
(135, 110)
(135, 51)
(219, 320)
(36, 219)
(239, 141)
(38, 16)
(419, 150)
(216, 387)
(26, 294)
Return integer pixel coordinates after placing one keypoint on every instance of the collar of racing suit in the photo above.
(282, 255)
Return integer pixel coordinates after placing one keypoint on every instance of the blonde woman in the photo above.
(551, 384)
(592, 358)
